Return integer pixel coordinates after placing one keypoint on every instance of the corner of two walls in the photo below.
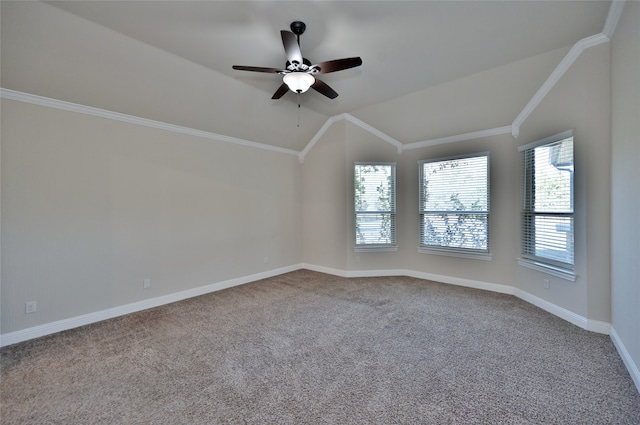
(324, 201)
(625, 191)
(92, 207)
(578, 101)
(329, 213)
(89, 213)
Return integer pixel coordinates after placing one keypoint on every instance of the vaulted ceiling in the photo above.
(171, 60)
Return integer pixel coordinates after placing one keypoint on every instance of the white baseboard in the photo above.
(469, 283)
(86, 319)
(632, 367)
(323, 269)
(505, 289)
(353, 273)
(73, 322)
(563, 313)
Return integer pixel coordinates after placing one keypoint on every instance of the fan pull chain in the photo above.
(298, 110)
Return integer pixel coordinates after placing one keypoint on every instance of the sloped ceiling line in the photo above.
(117, 116)
(460, 137)
(317, 136)
(399, 146)
(613, 17)
(554, 77)
(615, 10)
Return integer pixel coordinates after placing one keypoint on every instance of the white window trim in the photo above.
(381, 247)
(547, 140)
(544, 267)
(375, 248)
(548, 269)
(451, 252)
(461, 252)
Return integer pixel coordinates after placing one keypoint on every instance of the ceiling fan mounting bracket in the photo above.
(298, 27)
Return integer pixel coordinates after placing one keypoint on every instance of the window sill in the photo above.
(548, 269)
(472, 255)
(376, 248)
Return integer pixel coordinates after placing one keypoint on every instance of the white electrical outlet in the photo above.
(266, 260)
(146, 284)
(31, 307)
(547, 285)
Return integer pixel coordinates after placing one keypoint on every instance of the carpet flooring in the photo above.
(310, 348)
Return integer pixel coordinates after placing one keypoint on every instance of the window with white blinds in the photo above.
(454, 204)
(547, 212)
(375, 204)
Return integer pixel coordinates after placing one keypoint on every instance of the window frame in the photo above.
(528, 213)
(380, 247)
(460, 252)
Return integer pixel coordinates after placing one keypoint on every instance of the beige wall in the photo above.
(625, 187)
(579, 101)
(480, 101)
(325, 202)
(502, 220)
(52, 53)
(91, 207)
(362, 146)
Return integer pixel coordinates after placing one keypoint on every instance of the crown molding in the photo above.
(399, 146)
(318, 135)
(131, 119)
(348, 117)
(117, 116)
(614, 15)
(615, 11)
(555, 76)
(460, 137)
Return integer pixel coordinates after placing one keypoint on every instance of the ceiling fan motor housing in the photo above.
(305, 66)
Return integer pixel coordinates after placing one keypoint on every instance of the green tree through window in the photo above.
(374, 196)
(454, 203)
(547, 213)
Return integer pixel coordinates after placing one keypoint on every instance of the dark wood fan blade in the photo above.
(322, 87)
(257, 69)
(337, 65)
(280, 92)
(291, 47)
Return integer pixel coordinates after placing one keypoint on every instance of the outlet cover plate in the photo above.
(31, 307)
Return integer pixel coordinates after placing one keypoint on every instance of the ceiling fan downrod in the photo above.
(298, 28)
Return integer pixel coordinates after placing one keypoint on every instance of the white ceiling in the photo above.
(406, 46)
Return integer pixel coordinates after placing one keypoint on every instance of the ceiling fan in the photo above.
(299, 73)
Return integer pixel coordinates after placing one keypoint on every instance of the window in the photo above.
(375, 205)
(454, 206)
(547, 211)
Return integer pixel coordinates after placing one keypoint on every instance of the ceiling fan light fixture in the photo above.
(298, 82)
(298, 73)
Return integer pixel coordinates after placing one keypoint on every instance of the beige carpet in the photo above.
(309, 348)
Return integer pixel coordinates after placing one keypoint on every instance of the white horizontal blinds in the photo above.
(547, 216)
(454, 203)
(375, 204)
